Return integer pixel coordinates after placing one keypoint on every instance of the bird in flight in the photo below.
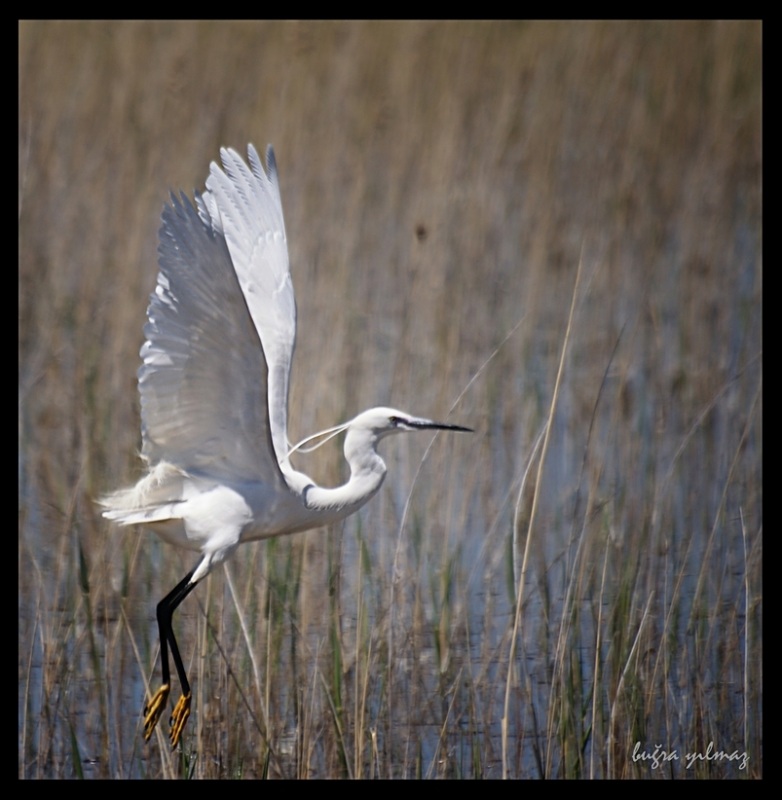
(219, 339)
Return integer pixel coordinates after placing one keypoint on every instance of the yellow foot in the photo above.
(154, 708)
(178, 718)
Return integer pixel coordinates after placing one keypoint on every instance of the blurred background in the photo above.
(450, 189)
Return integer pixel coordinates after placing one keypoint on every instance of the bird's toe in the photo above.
(178, 718)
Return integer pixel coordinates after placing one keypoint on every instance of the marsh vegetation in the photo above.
(510, 603)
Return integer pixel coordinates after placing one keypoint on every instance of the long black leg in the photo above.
(154, 708)
(165, 611)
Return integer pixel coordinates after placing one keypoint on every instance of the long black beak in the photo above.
(428, 424)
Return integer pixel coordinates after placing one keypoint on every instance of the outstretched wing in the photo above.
(250, 210)
(204, 377)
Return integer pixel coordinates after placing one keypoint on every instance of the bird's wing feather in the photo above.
(204, 376)
(250, 211)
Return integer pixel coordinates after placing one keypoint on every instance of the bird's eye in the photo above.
(394, 420)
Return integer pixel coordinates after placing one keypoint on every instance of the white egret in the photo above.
(214, 393)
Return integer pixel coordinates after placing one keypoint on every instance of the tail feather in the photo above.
(155, 497)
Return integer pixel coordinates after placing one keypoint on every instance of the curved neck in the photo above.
(367, 471)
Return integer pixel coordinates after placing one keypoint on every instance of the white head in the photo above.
(370, 426)
(367, 468)
(384, 421)
(364, 433)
